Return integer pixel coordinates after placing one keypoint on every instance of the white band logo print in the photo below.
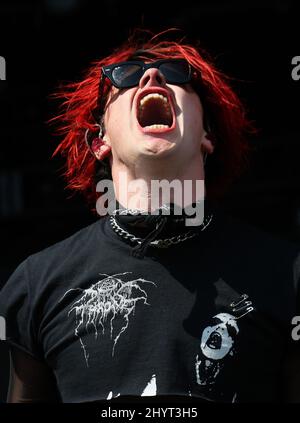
(106, 300)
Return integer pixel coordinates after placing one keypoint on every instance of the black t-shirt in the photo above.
(208, 318)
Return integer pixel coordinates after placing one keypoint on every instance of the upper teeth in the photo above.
(153, 95)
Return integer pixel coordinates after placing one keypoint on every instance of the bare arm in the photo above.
(30, 380)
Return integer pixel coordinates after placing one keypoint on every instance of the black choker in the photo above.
(161, 243)
(133, 219)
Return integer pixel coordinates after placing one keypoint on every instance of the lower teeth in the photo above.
(157, 126)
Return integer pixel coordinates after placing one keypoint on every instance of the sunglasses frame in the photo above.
(107, 71)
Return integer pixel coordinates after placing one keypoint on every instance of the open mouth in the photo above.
(214, 341)
(154, 112)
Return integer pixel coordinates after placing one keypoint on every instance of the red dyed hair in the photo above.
(222, 108)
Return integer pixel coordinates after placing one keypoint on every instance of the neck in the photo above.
(148, 186)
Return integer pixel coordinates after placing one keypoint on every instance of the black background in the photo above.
(49, 41)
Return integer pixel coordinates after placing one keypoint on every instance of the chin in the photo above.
(159, 148)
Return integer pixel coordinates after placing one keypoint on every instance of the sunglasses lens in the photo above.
(127, 75)
(175, 72)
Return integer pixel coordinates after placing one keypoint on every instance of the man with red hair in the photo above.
(138, 303)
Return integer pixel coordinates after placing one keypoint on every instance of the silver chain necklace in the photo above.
(160, 243)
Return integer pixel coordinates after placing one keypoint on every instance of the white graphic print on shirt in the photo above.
(105, 299)
(217, 344)
(150, 389)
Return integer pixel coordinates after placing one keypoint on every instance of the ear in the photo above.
(100, 148)
(207, 143)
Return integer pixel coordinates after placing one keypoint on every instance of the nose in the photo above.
(152, 77)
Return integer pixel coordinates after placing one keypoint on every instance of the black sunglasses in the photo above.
(128, 74)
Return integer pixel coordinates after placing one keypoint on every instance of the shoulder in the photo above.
(60, 264)
(64, 260)
(266, 264)
(80, 241)
(265, 250)
(258, 240)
